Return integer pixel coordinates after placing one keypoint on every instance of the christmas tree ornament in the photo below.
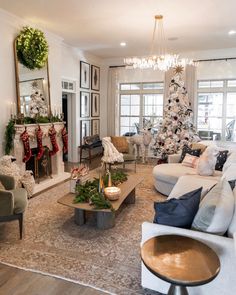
(64, 140)
(52, 134)
(27, 150)
(39, 137)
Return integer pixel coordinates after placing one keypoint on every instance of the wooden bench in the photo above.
(90, 143)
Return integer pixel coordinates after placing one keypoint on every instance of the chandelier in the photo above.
(161, 60)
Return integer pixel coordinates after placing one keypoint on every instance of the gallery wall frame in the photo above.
(95, 104)
(95, 127)
(84, 104)
(95, 78)
(84, 75)
(85, 129)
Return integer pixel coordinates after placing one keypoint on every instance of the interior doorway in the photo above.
(66, 109)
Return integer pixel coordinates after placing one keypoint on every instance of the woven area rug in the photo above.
(54, 244)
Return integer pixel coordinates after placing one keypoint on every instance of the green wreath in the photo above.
(32, 48)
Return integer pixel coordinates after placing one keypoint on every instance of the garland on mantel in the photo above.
(10, 128)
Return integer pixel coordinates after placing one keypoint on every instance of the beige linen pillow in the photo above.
(197, 146)
(120, 143)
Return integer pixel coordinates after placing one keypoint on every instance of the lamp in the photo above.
(161, 61)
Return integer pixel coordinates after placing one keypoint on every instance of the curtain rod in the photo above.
(198, 60)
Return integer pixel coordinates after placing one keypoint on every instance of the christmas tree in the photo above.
(37, 105)
(176, 128)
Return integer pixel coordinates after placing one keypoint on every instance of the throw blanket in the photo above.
(111, 155)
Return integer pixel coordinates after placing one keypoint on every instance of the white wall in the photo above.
(63, 63)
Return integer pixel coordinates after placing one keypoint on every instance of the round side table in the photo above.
(181, 261)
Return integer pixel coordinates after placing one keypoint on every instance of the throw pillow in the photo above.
(216, 210)
(188, 150)
(120, 143)
(232, 226)
(190, 161)
(2, 187)
(232, 184)
(196, 145)
(178, 212)
(207, 161)
(221, 159)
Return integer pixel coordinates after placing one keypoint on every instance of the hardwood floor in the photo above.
(15, 281)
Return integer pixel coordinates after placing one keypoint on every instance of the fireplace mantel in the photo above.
(58, 173)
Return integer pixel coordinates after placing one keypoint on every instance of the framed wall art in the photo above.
(84, 75)
(95, 104)
(95, 78)
(95, 126)
(84, 129)
(84, 104)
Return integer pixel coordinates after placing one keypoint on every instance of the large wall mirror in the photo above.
(31, 84)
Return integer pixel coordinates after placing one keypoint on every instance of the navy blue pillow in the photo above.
(221, 159)
(178, 212)
(232, 183)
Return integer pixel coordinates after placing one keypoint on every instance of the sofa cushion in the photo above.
(221, 159)
(188, 150)
(171, 172)
(230, 173)
(188, 183)
(231, 159)
(178, 212)
(120, 143)
(216, 209)
(232, 226)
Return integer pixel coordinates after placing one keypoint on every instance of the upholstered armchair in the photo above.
(118, 149)
(13, 201)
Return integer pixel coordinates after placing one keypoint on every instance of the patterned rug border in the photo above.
(57, 277)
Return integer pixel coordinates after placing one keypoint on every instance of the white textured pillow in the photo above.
(232, 226)
(190, 161)
(216, 210)
(207, 161)
(188, 183)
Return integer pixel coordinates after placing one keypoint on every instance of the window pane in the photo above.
(125, 100)
(135, 86)
(125, 110)
(157, 86)
(133, 121)
(124, 130)
(124, 121)
(217, 84)
(134, 111)
(231, 83)
(135, 99)
(124, 86)
(231, 104)
(204, 84)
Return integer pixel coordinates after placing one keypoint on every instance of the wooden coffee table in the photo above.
(105, 217)
(180, 261)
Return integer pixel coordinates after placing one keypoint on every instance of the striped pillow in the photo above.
(190, 161)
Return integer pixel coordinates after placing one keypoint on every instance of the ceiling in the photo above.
(99, 26)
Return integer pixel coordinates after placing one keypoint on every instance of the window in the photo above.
(140, 102)
(217, 109)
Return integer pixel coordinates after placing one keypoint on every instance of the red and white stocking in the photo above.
(64, 140)
(53, 134)
(27, 150)
(39, 137)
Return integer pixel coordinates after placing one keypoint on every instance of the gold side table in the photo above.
(181, 261)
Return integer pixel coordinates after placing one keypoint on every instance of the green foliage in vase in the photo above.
(117, 177)
(9, 137)
(32, 48)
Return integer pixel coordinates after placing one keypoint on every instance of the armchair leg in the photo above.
(20, 219)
